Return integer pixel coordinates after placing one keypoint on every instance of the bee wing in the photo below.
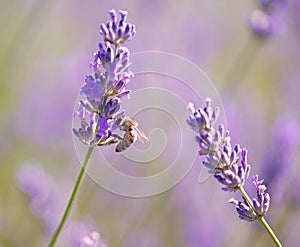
(141, 135)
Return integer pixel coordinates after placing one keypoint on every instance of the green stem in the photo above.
(104, 103)
(261, 219)
(72, 198)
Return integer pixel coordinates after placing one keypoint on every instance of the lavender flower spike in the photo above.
(100, 111)
(117, 32)
(269, 20)
(228, 164)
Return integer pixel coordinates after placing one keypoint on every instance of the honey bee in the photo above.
(132, 133)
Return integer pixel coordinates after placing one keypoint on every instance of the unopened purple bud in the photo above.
(240, 172)
(109, 56)
(244, 156)
(127, 29)
(215, 115)
(225, 159)
(237, 148)
(259, 22)
(212, 162)
(117, 32)
(227, 150)
(221, 179)
(243, 209)
(266, 202)
(114, 27)
(96, 63)
(266, 25)
(207, 108)
(236, 178)
(204, 117)
(119, 86)
(257, 183)
(233, 156)
(128, 35)
(120, 32)
(80, 113)
(219, 135)
(113, 15)
(111, 34)
(112, 106)
(123, 15)
(103, 30)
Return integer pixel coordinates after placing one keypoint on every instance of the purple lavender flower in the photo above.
(115, 62)
(281, 149)
(105, 87)
(104, 127)
(93, 88)
(227, 163)
(46, 202)
(82, 234)
(36, 183)
(42, 190)
(264, 24)
(236, 170)
(260, 205)
(93, 239)
(119, 68)
(103, 56)
(280, 157)
(112, 106)
(117, 32)
(87, 132)
(272, 5)
(268, 21)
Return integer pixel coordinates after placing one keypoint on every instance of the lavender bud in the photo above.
(265, 25)
(112, 106)
(244, 210)
(117, 32)
(113, 15)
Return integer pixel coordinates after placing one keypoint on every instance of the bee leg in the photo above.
(108, 142)
(117, 136)
(114, 138)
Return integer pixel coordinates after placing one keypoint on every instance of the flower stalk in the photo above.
(229, 164)
(72, 198)
(100, 112)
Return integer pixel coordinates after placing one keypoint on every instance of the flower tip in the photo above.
(265, 25)
(113, 13)
(191, 107)
(208, 101)
(233, 201)
(123, 12)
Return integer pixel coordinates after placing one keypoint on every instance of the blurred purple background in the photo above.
(45, 51)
